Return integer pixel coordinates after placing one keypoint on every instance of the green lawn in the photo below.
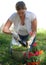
(5, 57)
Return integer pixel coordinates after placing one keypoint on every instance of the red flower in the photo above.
(30, 54)
(34, 44)
(36, 53)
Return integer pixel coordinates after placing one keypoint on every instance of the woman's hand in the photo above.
(15, 35)
(31, 38)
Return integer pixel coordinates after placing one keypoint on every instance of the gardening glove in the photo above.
(16, 36)
(30, 41)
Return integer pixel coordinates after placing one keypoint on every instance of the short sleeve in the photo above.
(12, 17)
(33, 16)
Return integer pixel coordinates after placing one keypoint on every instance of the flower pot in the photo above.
(33, 63)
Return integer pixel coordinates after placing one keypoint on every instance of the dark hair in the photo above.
(20, 5)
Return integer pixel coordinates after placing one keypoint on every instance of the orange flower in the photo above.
(40, 52)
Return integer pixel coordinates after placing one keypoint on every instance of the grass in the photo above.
(5, 56)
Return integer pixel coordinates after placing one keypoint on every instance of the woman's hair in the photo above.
(20, 5)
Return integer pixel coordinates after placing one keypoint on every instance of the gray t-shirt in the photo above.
(22, 29)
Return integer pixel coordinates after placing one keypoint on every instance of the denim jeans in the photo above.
(24, 38)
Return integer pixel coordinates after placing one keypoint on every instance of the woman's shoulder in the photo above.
(29, 13)
(14, 14)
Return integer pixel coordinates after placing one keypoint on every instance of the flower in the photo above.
(33, 55)
(40, 52)
(30, 54)
(36, 53)
(35, 44)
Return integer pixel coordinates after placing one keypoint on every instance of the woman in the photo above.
(24, 23)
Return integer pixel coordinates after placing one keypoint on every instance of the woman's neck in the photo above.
(22, 20)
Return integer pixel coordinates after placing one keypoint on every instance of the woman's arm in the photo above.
(33, 33)
(7, 26)
(34, 27)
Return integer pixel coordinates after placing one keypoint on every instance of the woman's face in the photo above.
(21, 12)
